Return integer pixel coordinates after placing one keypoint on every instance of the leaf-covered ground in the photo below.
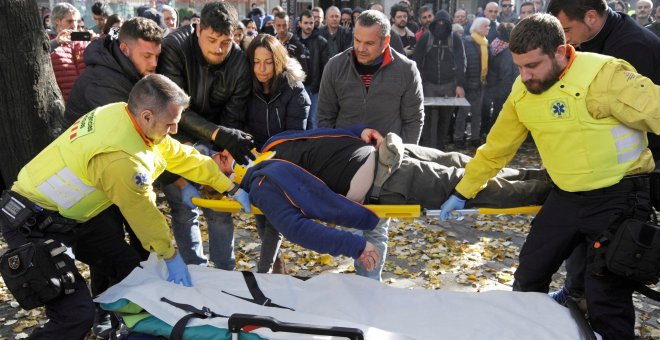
(475, 254)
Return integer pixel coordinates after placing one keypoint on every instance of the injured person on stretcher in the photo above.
(325, 175)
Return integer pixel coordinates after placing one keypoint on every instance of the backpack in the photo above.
(428, 45)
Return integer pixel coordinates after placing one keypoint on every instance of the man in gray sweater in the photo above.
(372, 84)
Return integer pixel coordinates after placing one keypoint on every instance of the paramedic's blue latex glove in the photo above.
(242, 197)
(178, 271)
(187, 193)
(453, 203)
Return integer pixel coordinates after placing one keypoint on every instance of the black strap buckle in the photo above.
(17, 210)
(180, 326)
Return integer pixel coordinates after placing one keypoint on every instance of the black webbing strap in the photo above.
(180, 326)
(648, 292)
(258, 296)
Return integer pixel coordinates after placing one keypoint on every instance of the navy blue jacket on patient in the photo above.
(292, 198)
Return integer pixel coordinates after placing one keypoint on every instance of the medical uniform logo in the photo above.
(14, 262)
(83, 126)
(140, 179)
(559, 109)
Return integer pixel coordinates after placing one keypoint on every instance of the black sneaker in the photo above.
(460, 144)
(475, 143)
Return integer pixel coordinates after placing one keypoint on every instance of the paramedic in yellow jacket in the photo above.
(587, 114)
(109, 156)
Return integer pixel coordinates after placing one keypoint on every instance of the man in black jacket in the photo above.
(440, 58)
(290, 41)
(318, 53)
(114, 64)
(593, 27)
(339, 38)
(206, 63)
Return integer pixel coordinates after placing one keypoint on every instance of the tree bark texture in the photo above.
(31, 105)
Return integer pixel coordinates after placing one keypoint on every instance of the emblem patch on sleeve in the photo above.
(83, 126)
(141, 180)
(559, 109)
(14, 262)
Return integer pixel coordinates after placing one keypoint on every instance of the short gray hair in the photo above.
(478, 22)
(61, 10)
(332, 8)
(156, 92)
(372, 17)
(164, 8)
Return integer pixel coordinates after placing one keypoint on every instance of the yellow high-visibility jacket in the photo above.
(104, 159)
(588, 126)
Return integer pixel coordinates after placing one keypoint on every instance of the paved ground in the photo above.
(476, 254)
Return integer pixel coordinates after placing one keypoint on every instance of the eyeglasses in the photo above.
(505, 6)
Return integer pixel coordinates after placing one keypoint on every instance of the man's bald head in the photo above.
(491, 11)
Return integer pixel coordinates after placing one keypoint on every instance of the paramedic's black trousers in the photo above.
(567, 220)
(98, 242)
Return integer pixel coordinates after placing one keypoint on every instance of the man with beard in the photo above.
(508, 13)
(114, 64)
(425, 19)
(592, 26)
(588, 114)
(205, 62)
(643, 12)
(399, 14)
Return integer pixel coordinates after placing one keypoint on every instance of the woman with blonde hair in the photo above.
(278, 103)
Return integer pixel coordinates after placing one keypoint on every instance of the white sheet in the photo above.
(382, 312)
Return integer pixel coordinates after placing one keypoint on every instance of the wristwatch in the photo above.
(232, 191)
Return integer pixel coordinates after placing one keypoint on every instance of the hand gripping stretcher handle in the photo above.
(239, 321)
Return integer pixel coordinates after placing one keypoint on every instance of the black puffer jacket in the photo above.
(218, 93)
(473, 63)
(108, 78)
(285, 110)
(319, 55)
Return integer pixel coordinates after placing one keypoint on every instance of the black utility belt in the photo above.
(626, 184)
(30, 219)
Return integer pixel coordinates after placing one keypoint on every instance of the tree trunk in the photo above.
(31, 105)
